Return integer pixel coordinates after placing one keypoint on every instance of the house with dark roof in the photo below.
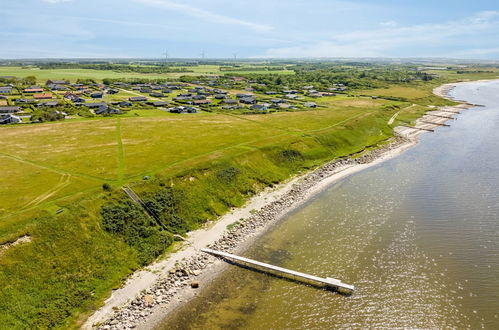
(240, 96)
(137, 99)
(6, 90)
(10, 109)
(107, 110)
(248, 100)
(9, 119)
(156, 94)
(229, 101)
(96, 105)
(259, 107)
(183, 109)
(158, 103)
(49, 104)
(56, 82)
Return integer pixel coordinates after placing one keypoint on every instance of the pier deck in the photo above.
(318, 281)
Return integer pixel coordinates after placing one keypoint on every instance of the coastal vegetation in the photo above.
(61, 182)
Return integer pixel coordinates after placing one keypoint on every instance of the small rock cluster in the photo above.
(183, 276)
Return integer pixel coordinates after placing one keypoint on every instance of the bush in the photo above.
(128, 220)
(164, 203)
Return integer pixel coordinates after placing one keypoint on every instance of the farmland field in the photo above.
(74, 74)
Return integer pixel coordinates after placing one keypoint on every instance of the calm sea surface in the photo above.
(418, 236)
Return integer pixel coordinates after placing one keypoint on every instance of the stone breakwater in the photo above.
(184, 275)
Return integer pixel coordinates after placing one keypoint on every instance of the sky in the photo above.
(249, 29)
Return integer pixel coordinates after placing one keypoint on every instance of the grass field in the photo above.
(74, 74)
(71, 264)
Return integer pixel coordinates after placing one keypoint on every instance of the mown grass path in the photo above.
(121, 152)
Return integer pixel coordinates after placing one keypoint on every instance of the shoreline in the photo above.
(149, 296)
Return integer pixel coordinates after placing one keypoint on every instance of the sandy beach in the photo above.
(149, 295)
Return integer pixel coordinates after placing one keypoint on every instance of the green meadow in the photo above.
(98, 75)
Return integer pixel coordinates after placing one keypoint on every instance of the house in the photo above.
(276, 101)
(310, 105)
(5, 90)
(125, 104)
(107, 110)
(9, 119)
(96, 105)
(202, 102)
(182, 109)
(283, 105)
(229, 101)
(79, 100)
(43, 96)
(25, 101)
(237, 79)
(33, 90)
(158, 103)
(56, 82)
(199, 97)
(240, 96)
(137, 99)
(220, 96)
(49, 104)
(96, 95)
(58, 88)
(113, 91)
(271, 93)
(101, 110)
(248, 100)
(291, 96)
(166, 91)
(157, 94)
(10, 109)
(259, 107)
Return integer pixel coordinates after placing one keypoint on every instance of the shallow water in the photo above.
(417, 235)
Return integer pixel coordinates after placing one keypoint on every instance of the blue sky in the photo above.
(256, 28)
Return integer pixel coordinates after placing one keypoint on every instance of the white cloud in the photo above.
(388, 39)
(56, 1)
(204, 14)
(389, 24)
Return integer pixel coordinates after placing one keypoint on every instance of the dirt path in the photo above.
(63, 182)
(392, 120)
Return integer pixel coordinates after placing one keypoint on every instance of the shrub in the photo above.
(128, 220)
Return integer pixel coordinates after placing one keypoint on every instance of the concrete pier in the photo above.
(291, 274)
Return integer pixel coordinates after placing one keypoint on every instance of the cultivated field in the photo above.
(98, 75)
